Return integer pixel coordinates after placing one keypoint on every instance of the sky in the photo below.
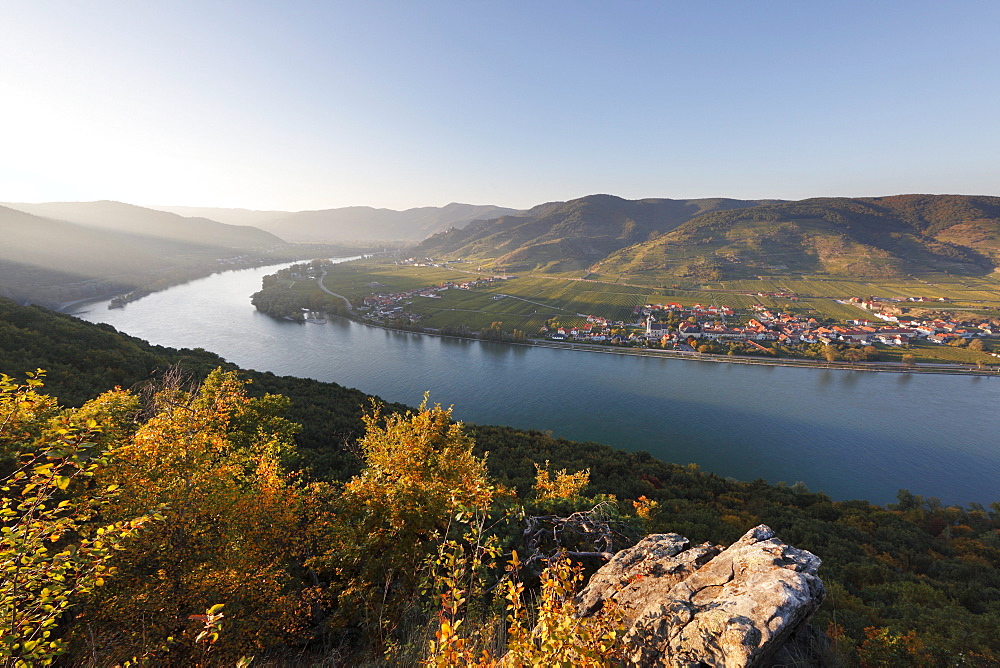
(311, 105)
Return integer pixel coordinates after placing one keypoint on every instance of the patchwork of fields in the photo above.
(529, 301)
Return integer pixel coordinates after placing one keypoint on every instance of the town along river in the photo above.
(851, 434)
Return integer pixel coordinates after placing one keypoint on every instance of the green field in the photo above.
(353, 279)
(564, 297)
(528, 302)
(931, 353)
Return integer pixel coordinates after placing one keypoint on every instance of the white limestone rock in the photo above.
(735, 610)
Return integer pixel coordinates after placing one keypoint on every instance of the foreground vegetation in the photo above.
(263, 517)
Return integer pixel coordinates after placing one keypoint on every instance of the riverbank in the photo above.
(885, 367)
(747, 421)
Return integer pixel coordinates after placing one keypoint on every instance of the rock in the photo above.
(645, 572)
(702, 606)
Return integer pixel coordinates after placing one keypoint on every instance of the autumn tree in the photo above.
(209, 457)
(551, 485)
(420, 480)
(54, 549)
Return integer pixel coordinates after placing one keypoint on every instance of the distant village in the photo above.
(685, 326)
(756, 330)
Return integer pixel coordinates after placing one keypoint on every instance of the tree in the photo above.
(53, 549)
(420, 481)
(562, 485)
(208, 459)
(854, 355)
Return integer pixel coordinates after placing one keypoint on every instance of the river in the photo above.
(851, 434)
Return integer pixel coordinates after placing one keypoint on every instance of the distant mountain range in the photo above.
(879, 237)
(353, 223)
(724, 238)
(137, 220)
(60, 252)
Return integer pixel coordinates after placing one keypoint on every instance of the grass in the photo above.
(353, 279)
(934, 353)
(615, 299)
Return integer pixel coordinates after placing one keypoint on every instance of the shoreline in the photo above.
(871, 367)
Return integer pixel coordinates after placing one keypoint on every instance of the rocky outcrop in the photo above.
(702, 605)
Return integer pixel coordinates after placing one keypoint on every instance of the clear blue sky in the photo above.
(296, 105)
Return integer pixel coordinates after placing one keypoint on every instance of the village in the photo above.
(685, 328)
(674, 325)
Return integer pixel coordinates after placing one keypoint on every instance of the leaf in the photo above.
(62, 481)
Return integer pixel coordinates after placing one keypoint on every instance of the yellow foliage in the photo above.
(645, 508)
(55, 546)
(549, 635)
(420, 481)
(560, 486)
(206, 461)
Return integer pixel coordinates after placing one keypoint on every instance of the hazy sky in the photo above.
(305, 105)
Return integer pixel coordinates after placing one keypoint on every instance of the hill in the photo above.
(54, 261)
(353, 223)
(881, 237)
(568, 236)
(137, 220)
(111, 248)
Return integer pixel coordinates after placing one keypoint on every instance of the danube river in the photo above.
(851, 434)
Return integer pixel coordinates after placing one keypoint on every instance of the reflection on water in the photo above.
(851, 434)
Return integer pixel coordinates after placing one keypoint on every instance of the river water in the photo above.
(851, 434)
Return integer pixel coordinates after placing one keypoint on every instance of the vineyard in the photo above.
(527, 302)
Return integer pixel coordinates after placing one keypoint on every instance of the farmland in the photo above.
(568, 299)
(461, 299)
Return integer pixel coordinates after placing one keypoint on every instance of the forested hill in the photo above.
(53, 261)
(99, 249)
(161, 225)
(913, 584)
(353, 223)
(867, 237)
(567, 235)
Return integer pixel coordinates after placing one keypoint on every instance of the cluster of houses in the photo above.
(700, 323)
(598, 330)
(785, 328)
(698, 311)
(934, 330)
